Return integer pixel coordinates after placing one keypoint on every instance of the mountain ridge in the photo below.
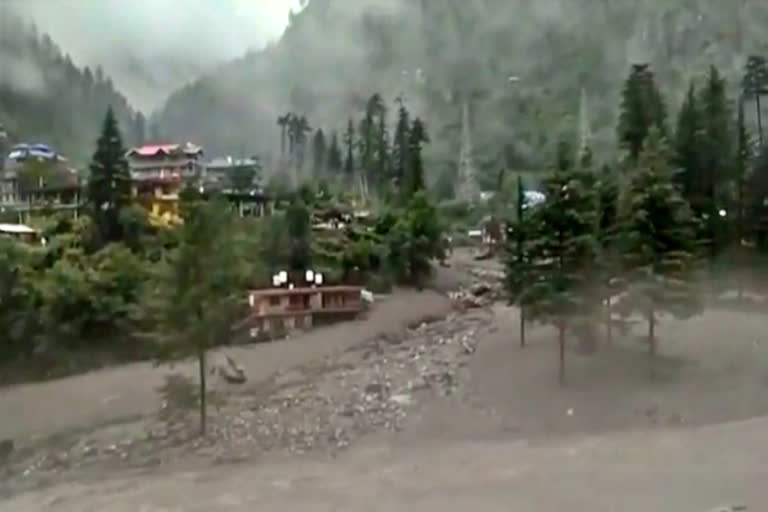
(522, 67)
(45, 97)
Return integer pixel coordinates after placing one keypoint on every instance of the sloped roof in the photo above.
(164, 149)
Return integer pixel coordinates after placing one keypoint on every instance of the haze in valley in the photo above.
(152, 47)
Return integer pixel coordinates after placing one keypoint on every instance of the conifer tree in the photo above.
(754, 85)
(757, 200)
(109, 184)
(741, 165)
(415, 179)
(659, 244)
(607, 238)
(687, 145)
(642, 108)
(334, 163)
(349, 144)
(196, 298)
(716, 155)
(400, 157)
(383, 158)
(368, 138)
(518, 275)
(319, 152)
(561, 249)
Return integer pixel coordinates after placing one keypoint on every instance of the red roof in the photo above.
(152, 150)
(165, 149)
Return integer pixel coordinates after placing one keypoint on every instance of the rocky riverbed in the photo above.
(321, 407)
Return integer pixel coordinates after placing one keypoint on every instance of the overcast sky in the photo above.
(174, 39)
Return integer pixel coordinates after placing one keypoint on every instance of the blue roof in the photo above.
(22, 151)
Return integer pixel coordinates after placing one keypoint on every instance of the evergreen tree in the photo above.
(518, 262)
(349, 144)
(298, 130)
(754, 84)
(741, 165)
(368, 140)
(319, 152)
(383, 160)
(757, 200)
(299, 226)
(607, 238)
(564, 156)
(716, 155)
(109, 184)
(415, 180)
(196, 297)
(687, 146)
(400, 157)
(642, 108)
(283, 122)
(334, 163)
(414, 240)
(658, 242)
(561, 249)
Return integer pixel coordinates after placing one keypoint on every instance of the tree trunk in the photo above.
(561, 343)
(522, 327)
(203, 411)
(759, 119)
(740, 264)
(652, 333)
(608, 321)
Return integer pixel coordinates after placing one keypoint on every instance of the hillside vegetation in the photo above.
(520, 66)
(45, 97)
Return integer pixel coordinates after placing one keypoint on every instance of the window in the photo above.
(274, 300)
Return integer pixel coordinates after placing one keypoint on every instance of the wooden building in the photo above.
(277, 311)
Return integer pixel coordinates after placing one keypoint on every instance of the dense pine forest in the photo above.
(520, 68)
(45, 97)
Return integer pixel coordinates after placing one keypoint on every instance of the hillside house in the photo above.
(35, 178)
(158, 172)
(227, 176)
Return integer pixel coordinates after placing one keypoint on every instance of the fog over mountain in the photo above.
(151, 47)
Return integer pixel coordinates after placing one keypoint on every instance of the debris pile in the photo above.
(320, 407)
(480, 294)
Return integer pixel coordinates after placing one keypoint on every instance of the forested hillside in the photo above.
(520, 67)
(45, 97)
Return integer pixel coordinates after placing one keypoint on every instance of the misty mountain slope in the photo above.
(519, 65)
(44, 97)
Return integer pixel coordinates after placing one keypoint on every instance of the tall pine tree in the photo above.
(414, 181)
(642, 108)
(400, 144)
(561, 249)
(334, 163)
(659, 244)
(741, 165)
(109, 184)
(716, 155)
(687, 146)
(349, 159)
(518, 262)
(319, 153)
(754, 85)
